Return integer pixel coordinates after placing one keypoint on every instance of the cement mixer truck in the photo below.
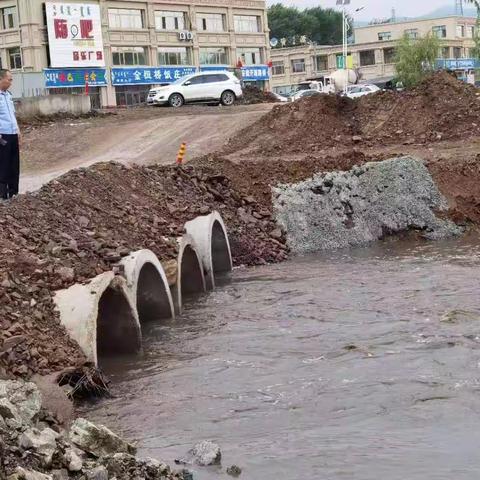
(333, 83)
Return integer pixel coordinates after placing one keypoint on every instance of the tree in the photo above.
(322, 26)
(416, 58)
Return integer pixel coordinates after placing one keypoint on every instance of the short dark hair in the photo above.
(3, 72)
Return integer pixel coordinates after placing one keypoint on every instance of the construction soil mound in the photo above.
(83, 223)
(440, 108)
(299, 127)
(253, 95)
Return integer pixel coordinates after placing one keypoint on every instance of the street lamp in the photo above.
(345, 27)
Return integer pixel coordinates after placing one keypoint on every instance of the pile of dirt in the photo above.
(253, 95)
(82, 224)
(440, 108)
(304, 126)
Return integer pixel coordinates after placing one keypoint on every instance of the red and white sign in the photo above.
(75, 35)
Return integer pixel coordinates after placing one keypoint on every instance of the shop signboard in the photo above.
(149, 75)
(74, 35)
(63, 78)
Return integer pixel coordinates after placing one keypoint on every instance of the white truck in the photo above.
(333, 83)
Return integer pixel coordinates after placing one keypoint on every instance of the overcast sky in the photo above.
(376, 8)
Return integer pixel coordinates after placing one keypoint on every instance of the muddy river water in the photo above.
(359, 364)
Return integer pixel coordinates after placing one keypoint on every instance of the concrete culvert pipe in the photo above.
(100, 317)
(190, 276)
(209, 235)
(148, 286)
(118, 332)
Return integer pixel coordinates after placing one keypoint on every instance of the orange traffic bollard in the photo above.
(181, 153)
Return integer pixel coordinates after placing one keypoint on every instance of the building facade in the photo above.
(372, 53)
(142, 42)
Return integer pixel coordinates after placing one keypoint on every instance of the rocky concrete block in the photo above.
(42, 442)
(20, 402)
(344, 209)
(206, 453)
(98, 440)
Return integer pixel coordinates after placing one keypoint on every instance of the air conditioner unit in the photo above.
(189, 36)
(182, 35)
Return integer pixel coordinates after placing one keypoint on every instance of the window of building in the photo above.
(247, 24)
(213, 56)
(460, 31)
(174, 56)
(471, 31)
(440, 31)
(367, 57)
(298, 65)
(385, 36)
(411, 32)
(321, 63)
(14, 58)
(445, 52)
(125, 18)
(129, 56)
(389, 55)
(211, 22)
(457, 52)
(9, 18)
(166, 20)
(250, 56)
(278, 68)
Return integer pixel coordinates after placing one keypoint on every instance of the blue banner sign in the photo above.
(74, 77)
(458, 63)
(255, 72)
(149, 75)
(213, 68)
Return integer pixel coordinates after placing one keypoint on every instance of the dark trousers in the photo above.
(9, 166)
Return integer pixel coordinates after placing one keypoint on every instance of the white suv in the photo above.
(223, 87)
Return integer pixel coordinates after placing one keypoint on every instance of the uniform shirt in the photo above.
(8, 122)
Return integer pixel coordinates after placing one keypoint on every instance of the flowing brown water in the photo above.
(359, 364)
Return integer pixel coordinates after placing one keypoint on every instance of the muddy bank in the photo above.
(82, 224)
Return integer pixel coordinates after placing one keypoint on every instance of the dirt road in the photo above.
(143, 136)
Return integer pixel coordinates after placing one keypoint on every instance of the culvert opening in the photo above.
(152, 297)
(117, 329)
(191, 274)
(220, 254)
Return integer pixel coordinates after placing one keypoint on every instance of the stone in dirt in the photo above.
(206, 453)
(20, 402)
(98, 440)
(98, 473)
(22, 474)
(123, 466)
(42, 442)
(74, 462)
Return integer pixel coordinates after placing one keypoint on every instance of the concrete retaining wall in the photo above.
(342, 209)
(53, 104)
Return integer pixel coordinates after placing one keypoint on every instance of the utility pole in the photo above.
(344, 3)
(459, 7)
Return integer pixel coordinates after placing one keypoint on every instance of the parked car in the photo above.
(221, 87)
(279, 97)
(355, 91)
(303, 94)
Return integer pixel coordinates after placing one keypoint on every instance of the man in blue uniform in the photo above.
(9, 147)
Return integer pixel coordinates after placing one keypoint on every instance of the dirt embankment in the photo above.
(438, 109)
